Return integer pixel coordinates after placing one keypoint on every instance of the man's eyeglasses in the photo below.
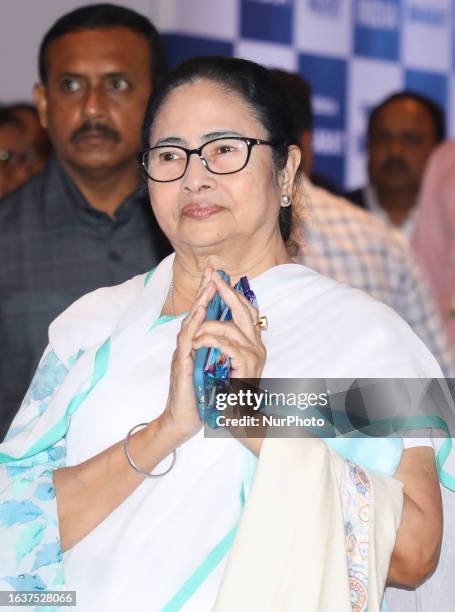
(166, 163)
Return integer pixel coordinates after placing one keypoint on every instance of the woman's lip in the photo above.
(201, 210)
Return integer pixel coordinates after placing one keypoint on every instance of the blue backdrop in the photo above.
(353, 52)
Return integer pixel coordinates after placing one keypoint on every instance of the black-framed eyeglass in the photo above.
(226, 155)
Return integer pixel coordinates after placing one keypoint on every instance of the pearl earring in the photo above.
(285, 200)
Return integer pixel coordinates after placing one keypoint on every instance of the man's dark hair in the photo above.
(8, 118)
(99, 16)
(23, 106)
(298, 92)
(433, 108)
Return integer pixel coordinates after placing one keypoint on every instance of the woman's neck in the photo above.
(189, 266)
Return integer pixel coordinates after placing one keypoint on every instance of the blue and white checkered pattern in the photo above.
(354, 52)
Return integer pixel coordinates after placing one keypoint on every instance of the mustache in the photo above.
(394, 164)
(91, 127)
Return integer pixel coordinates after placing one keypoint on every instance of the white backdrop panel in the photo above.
(268, 54)
(323, 27)
(427, 34)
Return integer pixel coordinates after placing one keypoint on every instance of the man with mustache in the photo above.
(83, 222)
(402, 132)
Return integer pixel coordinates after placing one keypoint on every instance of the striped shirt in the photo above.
(349, 244)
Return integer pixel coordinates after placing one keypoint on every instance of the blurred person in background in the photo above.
(348, 244)
(36, 138)
(402, 132)
(12, 164)
(84, 221)
(434, 237)
(24, 145)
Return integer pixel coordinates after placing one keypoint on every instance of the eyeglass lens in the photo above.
(223, 156)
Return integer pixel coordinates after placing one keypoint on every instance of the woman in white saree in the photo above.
(317, 532)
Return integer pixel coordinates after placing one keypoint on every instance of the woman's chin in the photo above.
(204, 241)
(202, 235)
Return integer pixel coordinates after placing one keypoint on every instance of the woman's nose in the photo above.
(197, 175)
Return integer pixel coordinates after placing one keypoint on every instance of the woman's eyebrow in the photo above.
(170, 140)
(219, 134)
(176, 140)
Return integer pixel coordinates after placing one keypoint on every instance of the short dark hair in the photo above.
(99, 16)
(8, 118)
(23, 106)
(298, 92)
(252, 82)
(433, 108)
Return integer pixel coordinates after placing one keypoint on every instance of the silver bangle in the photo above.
(136, 467)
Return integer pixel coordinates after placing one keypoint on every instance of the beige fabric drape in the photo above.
(290, 551)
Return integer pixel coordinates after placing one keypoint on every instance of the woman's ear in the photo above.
(288, 173)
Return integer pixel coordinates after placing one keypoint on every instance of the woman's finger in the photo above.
(224, 329)
(202, 299)
(194, 319)
(247, 361)
(193, 325)
(205, 280)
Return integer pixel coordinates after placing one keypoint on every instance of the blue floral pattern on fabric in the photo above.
(26, 582)
(12, 512)
(28, 509)
(48, 377)
(50, 374)
(29, 526)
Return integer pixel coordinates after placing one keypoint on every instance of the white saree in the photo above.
(107, 369)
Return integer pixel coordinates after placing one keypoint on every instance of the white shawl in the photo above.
(118, 374)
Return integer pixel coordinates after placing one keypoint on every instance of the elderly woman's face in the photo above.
(206, 210)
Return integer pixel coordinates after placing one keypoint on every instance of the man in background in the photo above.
(24, 146)
(402, 132)
(84, 221)
(340, 240)
(13, 169)
(36, 141)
